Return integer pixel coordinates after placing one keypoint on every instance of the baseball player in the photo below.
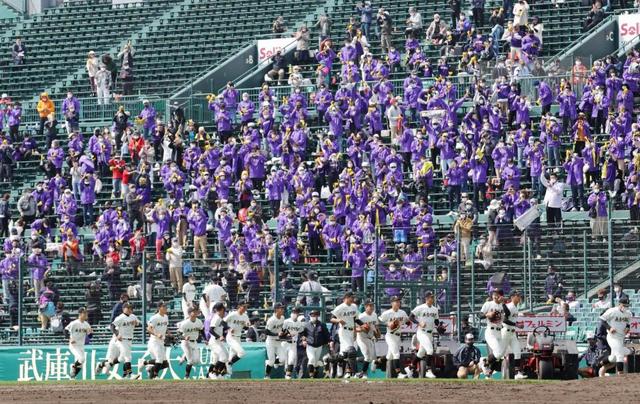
(213, 293)
(509, 338)
(344, 315)
(274, 333)
(393, 319)
(427, 317)
(237, 321)
(493, 311)
(157, 329)
(77, 331)
(367, 333)
(191, 330)
(122, 328)
(188, 295)
(616, 321)
(219, 355)
(315, 337)
(292, 327)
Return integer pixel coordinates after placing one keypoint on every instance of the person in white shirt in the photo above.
(394, 318)
(122, 328)
(174, 258)
(310, 291)
(213, 293)
(191, 329)
(509, 337)
(345, 316)
(617, 322)
(292, 327)
(427, 317)
(493, 311)
(237, 321)
(157, 328)
(77, 331)
(188, 295)
(367, 333)
(602, 303)
(219, 354)
(553, 197)
(275, 336)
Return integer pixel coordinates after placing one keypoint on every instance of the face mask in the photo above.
(294, 316)
(313, 319)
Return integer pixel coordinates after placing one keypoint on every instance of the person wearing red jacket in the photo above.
(116, 165)
(137, 243)
(136, 143)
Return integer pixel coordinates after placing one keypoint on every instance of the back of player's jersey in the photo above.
(216, 324)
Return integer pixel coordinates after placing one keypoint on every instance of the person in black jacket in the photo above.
(315, 337)
(5, 215)
(467, 358)
(6, 162)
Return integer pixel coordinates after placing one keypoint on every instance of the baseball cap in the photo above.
(515, 293)
(278, 306)
(348, 294)
(428, 295)
(368, 302)
(395, 298)
(218, 306)
(242, 302)
(498, 291)
(314, 312)
(469, 337)
(296, 310)
(624, 300)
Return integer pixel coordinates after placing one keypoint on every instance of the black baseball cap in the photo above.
(395, 299)
(348, 294)
(368, 302)
(296, 310)
(278, 306)
(314, 312)
(624, 300)
(428, 294)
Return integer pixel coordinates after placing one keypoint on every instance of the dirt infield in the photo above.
(617, 390)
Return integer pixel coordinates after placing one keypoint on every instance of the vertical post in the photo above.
(610, 255)
(585, 280)
(376, 297)
(458, 311)
(20, 301)
(524, 263)
(472, 304)
(276, 274)
(528, 240)
(144, 297)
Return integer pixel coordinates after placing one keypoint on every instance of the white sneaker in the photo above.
(135, 376)
(364, 376)
(106, 368)
(409, 372)
(213, 376)
(181, 360)
(339, 372)
(347, 375)
(267, 377)
(140, 364)
(287, 377)
(229, 369)
(430, 375)
(402, 376)
(373, 366)
(520, 376)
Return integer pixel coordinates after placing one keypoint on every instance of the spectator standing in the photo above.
(174, 259)
(94, 303)
(520, 13)
(553, 286)
(6, 162)
(303, 38)
(45, 107)
(103, 85)
(324, 26)
(27, 206)
(279, 27)
(386, 30)
(92, 65)
(598, 207)
(455, 6)
(366, 15)
(553, 198)
(126, 68)
(5, 215)
(477, 8)
(18, 52)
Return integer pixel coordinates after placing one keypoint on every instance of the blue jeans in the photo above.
(553, 155)
(7, 297)
(87, 210)
(399, 235)
(365, 29)
(75, 185)
(117, 182)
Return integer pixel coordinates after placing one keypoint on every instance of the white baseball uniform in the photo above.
(156, 347)
(188, 295)
(78, 331)
(348, 314)
(365, 340)
(272, 343)
(509, 337)
(215, 294)
(190, 331)
(218, 350)
(493, 333)
(619, 321)
(236, 323)
(426, 316)
(125, 324)
(392, 338)
(290, 348)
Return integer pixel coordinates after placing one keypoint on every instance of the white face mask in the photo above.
(294, 316)
(313, 319)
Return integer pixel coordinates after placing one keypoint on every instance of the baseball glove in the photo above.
(395, 324)
(170, 340)
(494, 316)
(365, 327)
